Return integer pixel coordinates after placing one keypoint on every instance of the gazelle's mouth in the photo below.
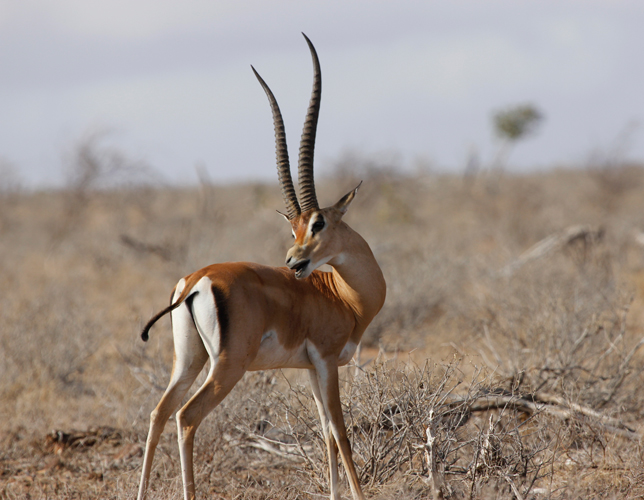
(300, 268)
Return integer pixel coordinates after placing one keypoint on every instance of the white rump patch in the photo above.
(205, 316)
(187, 342)
(178, 289)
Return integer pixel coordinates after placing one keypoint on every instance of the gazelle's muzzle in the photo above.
(299, 265)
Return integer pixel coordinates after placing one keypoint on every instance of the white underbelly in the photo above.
(347, 353)
(272, 355)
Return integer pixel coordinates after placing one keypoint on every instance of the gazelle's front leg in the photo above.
(327, 376)
(331, 446)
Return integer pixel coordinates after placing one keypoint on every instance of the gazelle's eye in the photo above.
(317, 226)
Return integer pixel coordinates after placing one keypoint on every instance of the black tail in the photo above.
(159, 315)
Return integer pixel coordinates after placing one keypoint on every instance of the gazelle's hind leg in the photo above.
(223, 376)
(189, 358)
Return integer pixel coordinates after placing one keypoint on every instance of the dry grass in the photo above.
(528, 380)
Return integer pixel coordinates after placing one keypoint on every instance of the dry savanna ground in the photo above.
(506, 362)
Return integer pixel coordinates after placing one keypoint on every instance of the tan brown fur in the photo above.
(319, 314)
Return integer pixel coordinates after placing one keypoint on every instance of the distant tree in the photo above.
(511, 125)
(516, 122)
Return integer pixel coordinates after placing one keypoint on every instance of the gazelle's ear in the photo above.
(343, 204)
(284, 215)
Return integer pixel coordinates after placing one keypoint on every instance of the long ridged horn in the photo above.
(281, 155)
(307, 143)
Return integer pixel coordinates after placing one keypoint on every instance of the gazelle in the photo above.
(244, 316)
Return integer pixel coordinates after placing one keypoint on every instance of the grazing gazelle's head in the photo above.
(318, 233)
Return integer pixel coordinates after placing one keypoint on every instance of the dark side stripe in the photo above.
(188, 302)
(221, 304)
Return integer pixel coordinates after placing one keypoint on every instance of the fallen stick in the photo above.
(554, 242)
(589, 412)
(555, 406)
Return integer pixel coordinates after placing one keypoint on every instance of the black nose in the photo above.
(289, 261)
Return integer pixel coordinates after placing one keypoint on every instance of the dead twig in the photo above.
(276, 448)
(138, 246)
(515, 490)
(436, 477)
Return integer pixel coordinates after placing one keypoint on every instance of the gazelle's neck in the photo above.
(358, 279)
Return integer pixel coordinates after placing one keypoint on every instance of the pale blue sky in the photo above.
(172, 83)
